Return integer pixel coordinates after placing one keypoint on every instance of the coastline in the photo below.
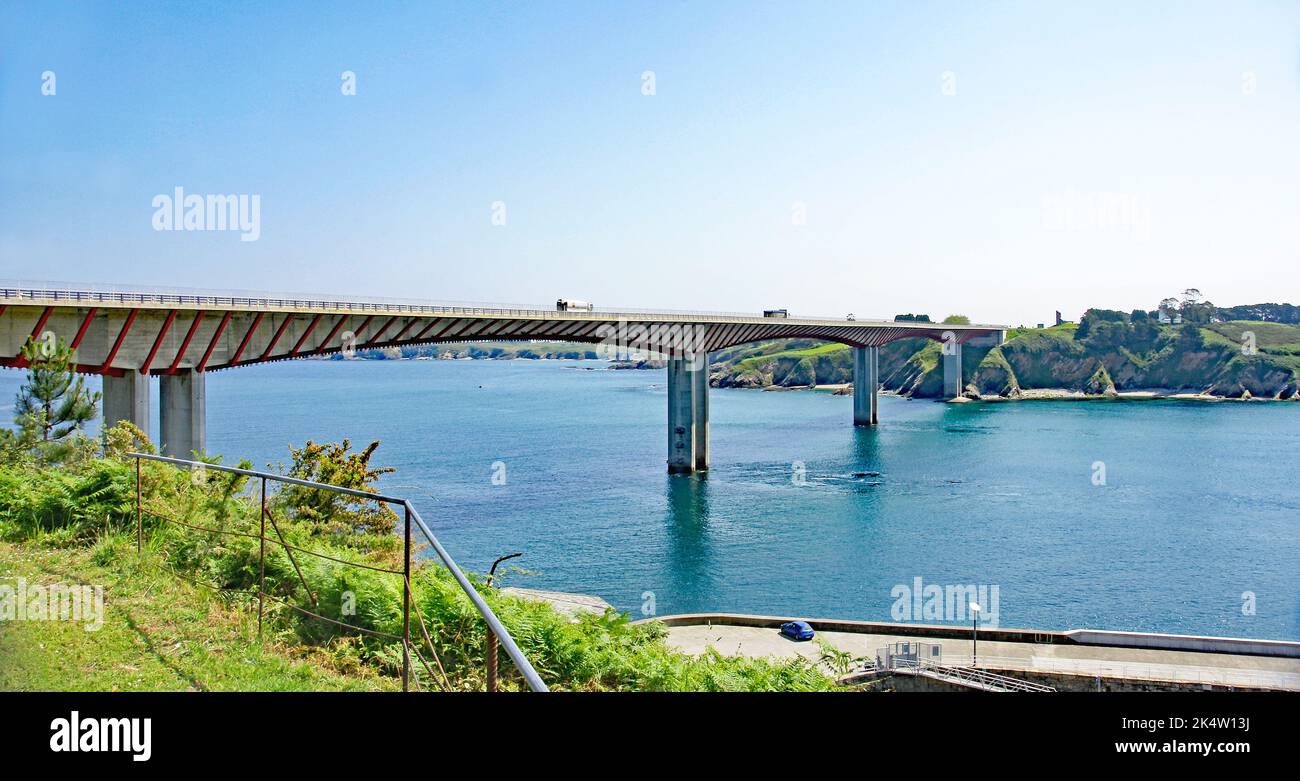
(1142, 394)
(846, 388)
(1051, 394)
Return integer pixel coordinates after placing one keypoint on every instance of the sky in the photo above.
(998, 160)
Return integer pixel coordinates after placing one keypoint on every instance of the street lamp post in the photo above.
(975, 634)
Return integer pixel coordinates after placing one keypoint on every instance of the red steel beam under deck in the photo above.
(405, 328)
(425, 330)
(381, 331)
(117, 344)
(342, 319)
(310, 327)
(21, 360)
(194, 326)
(212, 345)
(157, 342)
(81, 332)
(275, 338)
(244, 342)
(357, 333)
(448, 325)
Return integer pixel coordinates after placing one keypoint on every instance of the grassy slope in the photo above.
(798, 354)
(159, 634)
(1278, 339)
(74, 524)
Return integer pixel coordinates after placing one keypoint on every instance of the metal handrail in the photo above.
(121, 294)
(968, 674)
(1156, 671)
(270, 476)
(497, 629)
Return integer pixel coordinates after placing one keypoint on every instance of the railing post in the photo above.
(138, 524)
(491, 660)
(406, 602)
(261, 565)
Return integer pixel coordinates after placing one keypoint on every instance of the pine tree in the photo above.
(54, 402)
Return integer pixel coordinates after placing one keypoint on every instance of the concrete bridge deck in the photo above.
(128, 335)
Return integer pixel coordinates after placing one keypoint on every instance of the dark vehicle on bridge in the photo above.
(775, 313)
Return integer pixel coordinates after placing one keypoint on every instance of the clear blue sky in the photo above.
(916, 200)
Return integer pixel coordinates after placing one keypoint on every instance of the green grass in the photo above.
(1067, 329)
(825, 348)
(1271, 338)
(74, 524)
(158, 634)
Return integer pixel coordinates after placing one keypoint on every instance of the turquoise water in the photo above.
(1201, 502)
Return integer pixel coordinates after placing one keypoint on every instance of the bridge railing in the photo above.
(498, 635)
(87, 294)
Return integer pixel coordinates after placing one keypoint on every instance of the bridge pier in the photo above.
(127, 398)
(688, 414)
(681, 417)
(866, 386)
(700, 410)
(952, 384)
(183, 413)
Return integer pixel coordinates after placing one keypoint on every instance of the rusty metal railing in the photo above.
(498, 635)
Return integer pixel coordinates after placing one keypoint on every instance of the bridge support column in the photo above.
(952, 371)
(700, 409)
(183, 414)
(127, 398)
(681, 416)
(866, 385)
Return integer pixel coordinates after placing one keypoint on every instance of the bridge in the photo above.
(127, 335)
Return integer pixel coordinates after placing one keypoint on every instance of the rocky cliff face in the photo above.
(1189, 360)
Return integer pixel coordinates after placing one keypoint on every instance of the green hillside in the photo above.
(1106, 352)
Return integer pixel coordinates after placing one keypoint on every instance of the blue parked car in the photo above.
(797, 630)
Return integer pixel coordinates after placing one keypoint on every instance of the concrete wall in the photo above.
(1230, 645)
(1281, 648)
(1060, 682)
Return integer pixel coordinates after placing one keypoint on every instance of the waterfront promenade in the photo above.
(1059, 660)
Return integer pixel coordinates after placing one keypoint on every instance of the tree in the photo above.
(1193, 307)
(53, 402)
(1198, 311)
(1190, 337)
(1169, 307)
(350, 520)
(956, 320)
(1094, 316)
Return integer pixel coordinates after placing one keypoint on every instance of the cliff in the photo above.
(1240, 359)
